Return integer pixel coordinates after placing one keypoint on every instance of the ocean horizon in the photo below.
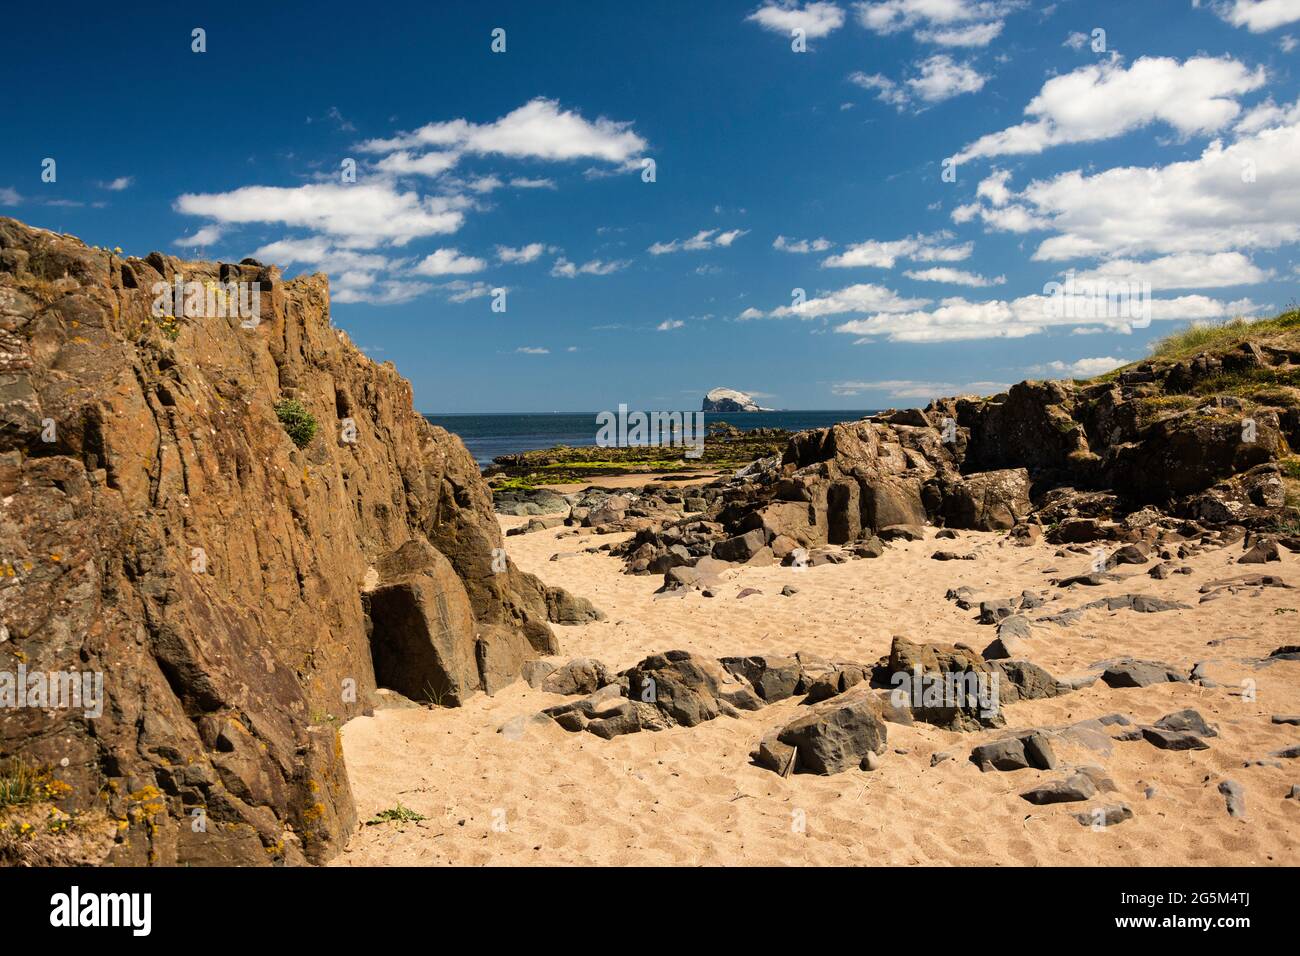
(488, 435)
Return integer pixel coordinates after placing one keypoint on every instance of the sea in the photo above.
(487, 436)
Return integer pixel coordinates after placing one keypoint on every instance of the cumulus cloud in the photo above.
(1188, 270)
(953, 277)
(667, 325)
(863, 297)
(937, 79)
(942, 22)
(877, 254)
(446, 262)
(1104, 100)
(523, 255)
(199, 239)
(1080, 368)
(958, 319)
(565, 269)
(704, 239)
(1259, 16)
(540, 129)
(1238, 197)
(356, 214)
(118, 184)
(801, 246)
(816, 19)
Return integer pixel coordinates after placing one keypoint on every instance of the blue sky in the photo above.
(1164, 152)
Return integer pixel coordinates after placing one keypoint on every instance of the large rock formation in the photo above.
(238, 594)
(730, 400)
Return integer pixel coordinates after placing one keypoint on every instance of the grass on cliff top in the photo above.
(1281, 331)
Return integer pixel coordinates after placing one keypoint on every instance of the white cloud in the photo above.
(957, 319)
(540, 129)
(447, 262)
(117, 185)
(876, 254)
(1188, 270)
(939, 78)
(357, 214)
(1104, 100)
(863, 297)
(704, 239)
(9, 196)
(887, 90)
(977, 34)
(954, 277)
(944, 22)
(994, 187)
(1267, 115)
(522, 255)
(1288, 43)
(917, 391)
(667, 325)
(524, 182)
(318, 251)
(1259, 16)
(404, 163)
(532, 350)
(942, 78)
(1081, 368)
(390, 292)
(1076, 40)
(816, 19)
(460, 290)
(206, 236)
(750, 313)
(896, 388)
(1237, 197)
(801, 245)
(565, 269)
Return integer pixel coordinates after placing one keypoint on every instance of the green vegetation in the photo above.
(1284, 328)
(297, 421)
(22, 785)
(398, 814)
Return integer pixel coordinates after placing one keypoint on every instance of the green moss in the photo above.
(297, 421)
(398, 814)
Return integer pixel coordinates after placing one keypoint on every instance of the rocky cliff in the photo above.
(237, 594)
(730, 400)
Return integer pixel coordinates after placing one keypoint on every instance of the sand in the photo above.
(691, 796)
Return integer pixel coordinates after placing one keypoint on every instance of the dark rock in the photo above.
(838, 735)
(1189, 721)
(1073, 789)
(1106, 815)
(1234, 796)
(1137, 673)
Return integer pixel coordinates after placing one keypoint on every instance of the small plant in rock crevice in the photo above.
(298, 422)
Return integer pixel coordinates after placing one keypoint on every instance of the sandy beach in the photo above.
(692, 796)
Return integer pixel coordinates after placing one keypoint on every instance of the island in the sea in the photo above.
(730, 400)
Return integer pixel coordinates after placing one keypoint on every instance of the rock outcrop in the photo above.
(730, 400)
(240, 595)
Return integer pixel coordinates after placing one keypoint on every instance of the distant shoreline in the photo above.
(488, 435)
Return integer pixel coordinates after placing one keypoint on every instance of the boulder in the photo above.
(837, 736)
(989, 501)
